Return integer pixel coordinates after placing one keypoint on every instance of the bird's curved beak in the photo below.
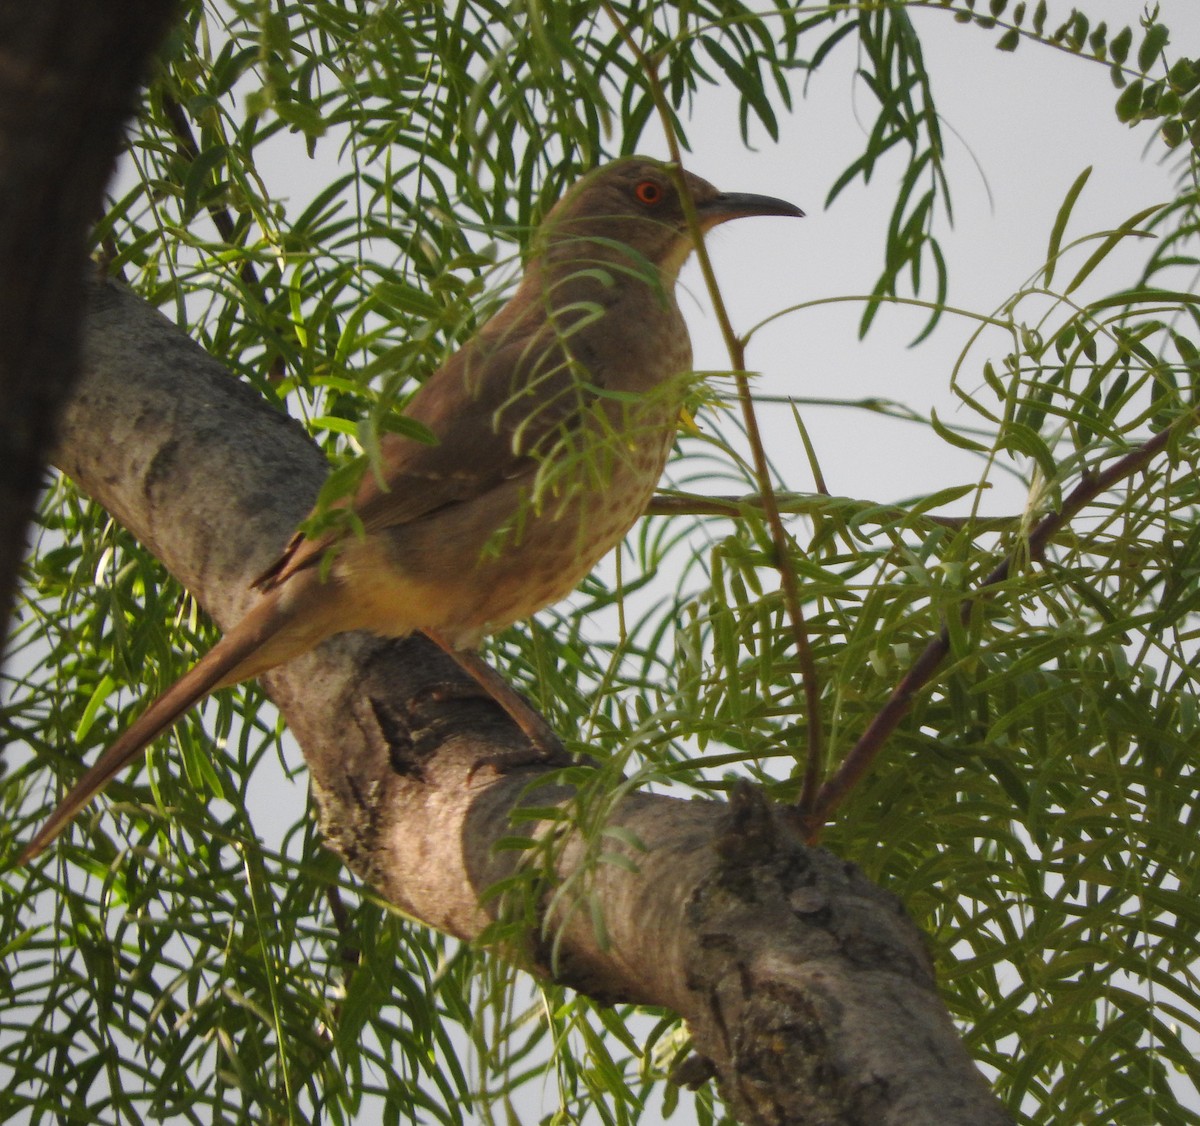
(739, 205)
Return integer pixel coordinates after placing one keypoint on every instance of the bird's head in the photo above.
(634, 203)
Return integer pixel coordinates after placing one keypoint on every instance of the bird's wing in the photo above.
(494, 407)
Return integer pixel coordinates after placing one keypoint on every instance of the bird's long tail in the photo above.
(240, 654)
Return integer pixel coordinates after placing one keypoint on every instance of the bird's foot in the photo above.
(547, 746)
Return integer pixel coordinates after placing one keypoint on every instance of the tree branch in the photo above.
(68, 76)
(806, 988)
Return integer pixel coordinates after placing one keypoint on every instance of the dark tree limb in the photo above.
(69, 73)
(809, 993)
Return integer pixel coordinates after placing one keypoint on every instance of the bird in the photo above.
(550, 428)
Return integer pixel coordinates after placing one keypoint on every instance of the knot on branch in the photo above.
(752, 834)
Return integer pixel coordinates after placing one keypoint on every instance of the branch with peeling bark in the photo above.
(808, 992)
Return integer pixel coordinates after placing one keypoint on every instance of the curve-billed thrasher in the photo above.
(552, 425)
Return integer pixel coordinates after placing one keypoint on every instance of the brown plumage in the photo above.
(552, 424)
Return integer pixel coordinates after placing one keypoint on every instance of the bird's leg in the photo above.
(535, 728)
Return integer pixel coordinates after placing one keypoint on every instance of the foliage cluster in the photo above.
(1035, 810)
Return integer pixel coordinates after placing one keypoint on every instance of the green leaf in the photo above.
(1128, 229)
(1039, 17)
(1183, 75)
(95, 701)
(747, 80)
(1022, 439)
(396, 423)
(198, 182)
(1119, 45)
(402, 297)
(1077, 30)
(940, 499)
(953, 437)
(1173, 133)
(1060, 224)
(337, 425)
(1129, 103)
(1155, 40)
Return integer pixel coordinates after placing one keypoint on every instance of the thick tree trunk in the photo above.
(808, 991)
(69, 72)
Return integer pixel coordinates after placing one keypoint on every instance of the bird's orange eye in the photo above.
(648, 192)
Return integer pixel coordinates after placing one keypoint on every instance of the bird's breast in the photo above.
(637, 345)
(474, 568)
(556, 538)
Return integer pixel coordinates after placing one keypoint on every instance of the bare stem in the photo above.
(221, 217)
(817, 504)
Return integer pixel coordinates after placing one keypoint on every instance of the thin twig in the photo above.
(861, 756)
(221, 217)
(816, 504)
(736, 347)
